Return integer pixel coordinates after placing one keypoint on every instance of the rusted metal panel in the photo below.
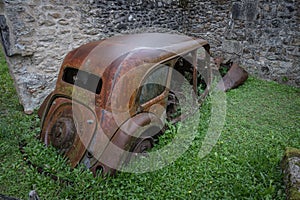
(235, 77)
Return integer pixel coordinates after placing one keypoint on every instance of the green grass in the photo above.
(262, 119)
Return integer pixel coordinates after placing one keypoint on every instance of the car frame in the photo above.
(99, 114)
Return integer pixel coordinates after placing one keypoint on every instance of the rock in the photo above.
(55, 15)
(33, 195)
(47, 23)
(130, 18)
(63, 22)
(122, 26)
(232, 46)
(290, 165)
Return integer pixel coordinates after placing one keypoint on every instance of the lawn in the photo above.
(262, 120)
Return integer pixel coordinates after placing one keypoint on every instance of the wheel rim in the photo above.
(140, 149)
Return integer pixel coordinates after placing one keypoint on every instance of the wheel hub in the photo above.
(63, 133)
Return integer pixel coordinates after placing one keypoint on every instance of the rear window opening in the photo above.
(83, 79)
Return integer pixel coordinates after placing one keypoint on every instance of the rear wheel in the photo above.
(143, 145)
(140, 148)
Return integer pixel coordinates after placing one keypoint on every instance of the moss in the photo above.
(292, 152)
(294, 194)
(289, 153)
(183, 3)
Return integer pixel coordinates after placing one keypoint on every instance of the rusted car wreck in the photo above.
(116, 94)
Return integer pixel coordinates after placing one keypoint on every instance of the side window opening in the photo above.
(182, 73)
(155, 84)
(184, 70)
(83, 79)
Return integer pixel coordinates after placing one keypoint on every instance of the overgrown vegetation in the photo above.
(262, 119)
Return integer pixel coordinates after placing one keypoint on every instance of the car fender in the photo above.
(44, 107)
(122, 142)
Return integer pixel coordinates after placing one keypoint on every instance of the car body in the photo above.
(103, 109)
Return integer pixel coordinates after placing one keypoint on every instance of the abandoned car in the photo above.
(113, 96)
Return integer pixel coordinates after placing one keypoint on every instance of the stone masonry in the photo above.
(263, 35)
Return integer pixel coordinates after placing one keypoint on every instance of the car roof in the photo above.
(114, 57)
(96, 56)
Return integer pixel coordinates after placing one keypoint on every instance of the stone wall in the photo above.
(36, 34)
